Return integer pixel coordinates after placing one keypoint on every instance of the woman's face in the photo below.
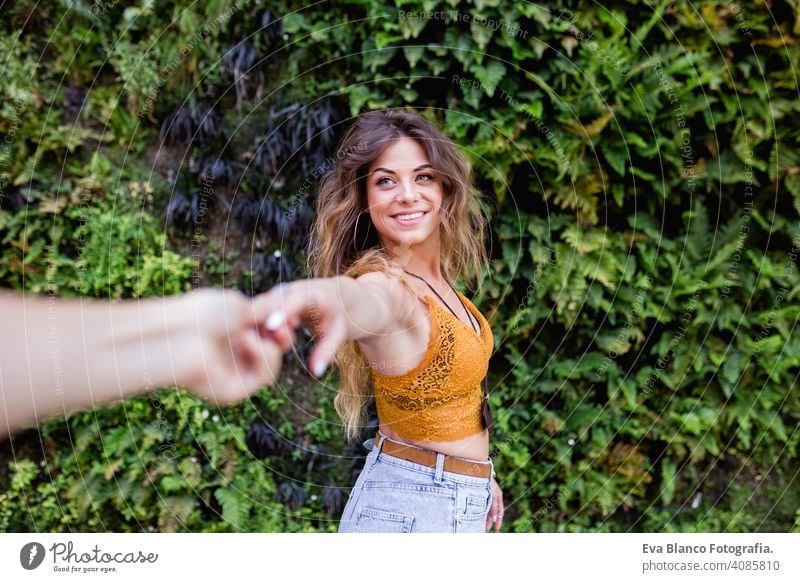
(401, 184)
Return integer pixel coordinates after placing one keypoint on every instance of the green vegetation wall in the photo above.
(640, 163)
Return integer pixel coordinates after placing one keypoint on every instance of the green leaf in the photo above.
(731, 370)
(413, 54)
(781, 159)
(616, 156)
(792, 183)
(490, 74)
(412, 27)
(170, 484)
(175, 512)
(668, 480)
(233, 510)
(481, 34)
(629, 389)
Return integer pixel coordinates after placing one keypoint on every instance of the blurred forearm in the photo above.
(60, 354)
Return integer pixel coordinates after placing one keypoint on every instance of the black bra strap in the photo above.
(469, 315)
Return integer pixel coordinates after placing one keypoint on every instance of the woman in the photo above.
(396, 220)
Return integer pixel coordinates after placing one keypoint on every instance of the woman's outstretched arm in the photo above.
(338, 309)
(59, 354)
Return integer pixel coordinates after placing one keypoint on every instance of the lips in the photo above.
(409, 218)
(408, 213)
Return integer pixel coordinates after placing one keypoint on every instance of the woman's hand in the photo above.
(230, 353)
(495, 516)
(311, 303)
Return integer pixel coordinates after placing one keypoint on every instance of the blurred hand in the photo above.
(495, 517)
(231, 353)
(311, 303)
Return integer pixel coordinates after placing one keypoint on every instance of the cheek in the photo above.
(375, 207)
(379, 208)
(438, 198)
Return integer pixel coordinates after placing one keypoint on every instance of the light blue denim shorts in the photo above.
(394, 495)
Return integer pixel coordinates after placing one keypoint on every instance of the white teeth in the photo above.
(409, 216)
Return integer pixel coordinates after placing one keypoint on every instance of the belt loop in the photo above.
(437, 478)
(378, 446)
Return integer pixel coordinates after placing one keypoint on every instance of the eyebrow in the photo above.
(388, 171)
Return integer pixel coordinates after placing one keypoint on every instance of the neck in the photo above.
(429, 271)
(424, 259)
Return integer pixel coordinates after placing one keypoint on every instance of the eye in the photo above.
(428, 176)
(380, 182)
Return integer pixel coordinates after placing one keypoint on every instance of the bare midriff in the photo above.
(474, 447)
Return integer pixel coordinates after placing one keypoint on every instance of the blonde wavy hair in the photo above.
(341, 244)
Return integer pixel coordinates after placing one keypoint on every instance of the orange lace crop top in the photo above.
(441, 398)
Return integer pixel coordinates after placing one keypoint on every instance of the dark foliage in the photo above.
(299, 137)
(188, 203)
(242, 64)
(263, 217)
(74, 99)
(217, 170)
(208, 124)
(185, 209)
(301, 215)
(198, 125)
(272, 152)
(13, 199)
(293, 494)
(262, 439)
(178, 127)
(252, 215)
(274, 267)
(272, 27)
(332, 498)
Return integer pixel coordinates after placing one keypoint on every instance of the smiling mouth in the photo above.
(409, 216)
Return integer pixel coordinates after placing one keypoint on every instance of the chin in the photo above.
(407, 238)
(411, 239)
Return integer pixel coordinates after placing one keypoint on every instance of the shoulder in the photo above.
(396, 289)
(398, 295)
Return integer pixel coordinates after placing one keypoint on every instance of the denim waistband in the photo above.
(438, 473)
(370, 444)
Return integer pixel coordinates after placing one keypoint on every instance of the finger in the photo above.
(262, 305)
(250, 352)
(290, 299)
(249, 374)
(330, 340)
(271, 363)
(498, 520)
(224, 387)
(246, 351)
(295, 308)
(265, 304)
(284, 336)
(265, 360)
(490, 519)
(232, 385)
(271, 320)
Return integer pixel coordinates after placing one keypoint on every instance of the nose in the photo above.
(407, 192)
